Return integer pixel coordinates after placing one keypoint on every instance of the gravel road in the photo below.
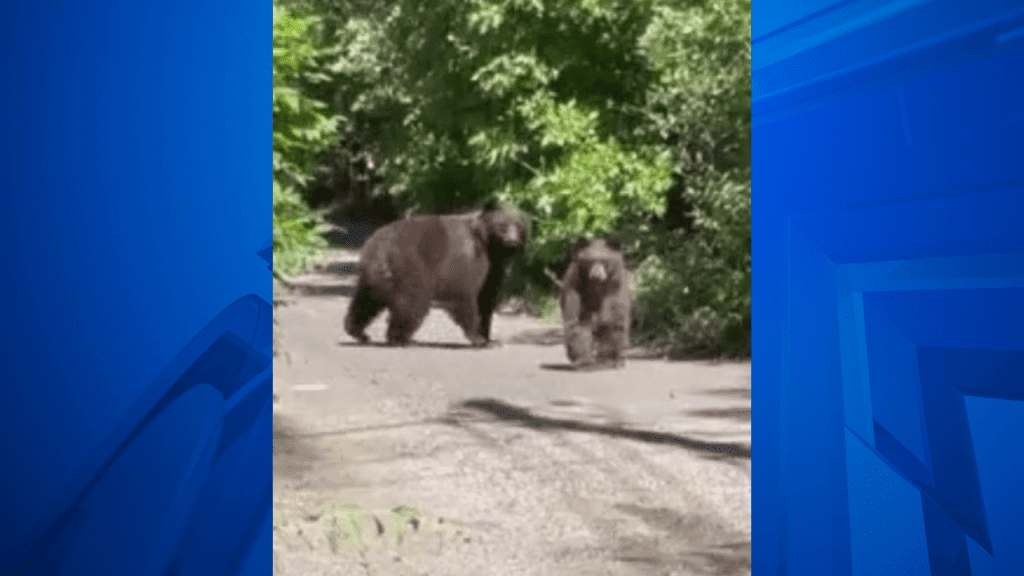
(445, 460)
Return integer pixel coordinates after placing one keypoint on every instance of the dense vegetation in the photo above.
(628, 118)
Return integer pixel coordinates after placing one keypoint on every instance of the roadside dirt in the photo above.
(446, 460)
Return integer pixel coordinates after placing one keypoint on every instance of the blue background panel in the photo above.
(136, 152)
(998, 437)
(888, 287)
(896, 545)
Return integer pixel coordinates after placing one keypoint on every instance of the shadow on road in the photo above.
(340, 268)
(734, 392)
(697, 544)
(542, 337)
(743, 414)
(596, 367)
(414, 344)
(326, 290)
(560, 367)
(509, 413)
(293, 454)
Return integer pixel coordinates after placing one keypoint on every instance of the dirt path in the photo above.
(445, 460)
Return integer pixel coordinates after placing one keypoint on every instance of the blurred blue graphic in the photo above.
(135, 155)
(183, 484)
(888, 286)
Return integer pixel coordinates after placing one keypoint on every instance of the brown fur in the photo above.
(596, 305)
(456, 259)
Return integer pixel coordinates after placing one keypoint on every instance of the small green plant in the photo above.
(405, 517)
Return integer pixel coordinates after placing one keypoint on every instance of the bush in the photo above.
(303, 129)
(694, 294)
(298, 233)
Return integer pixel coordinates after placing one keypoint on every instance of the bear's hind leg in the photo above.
(361, 311)
(407, 314)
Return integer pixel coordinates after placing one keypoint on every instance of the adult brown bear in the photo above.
(596, 305)
(458, 259)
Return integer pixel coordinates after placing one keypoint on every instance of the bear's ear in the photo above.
(577, 246)
(478, 225)
(614, 244)
(491, 205)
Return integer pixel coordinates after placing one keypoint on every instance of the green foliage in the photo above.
(458, 94)
(695, 279)
(303, 129)
(298, 232)
(699, 104)
(695, 291)
(597, 189)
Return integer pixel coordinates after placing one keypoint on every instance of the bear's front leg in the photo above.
(579, 344)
